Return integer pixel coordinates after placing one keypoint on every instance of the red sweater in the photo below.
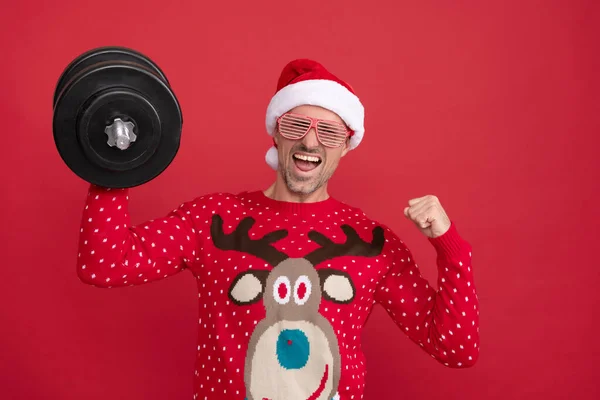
(284, 289)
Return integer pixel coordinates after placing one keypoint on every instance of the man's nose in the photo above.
(310, 139)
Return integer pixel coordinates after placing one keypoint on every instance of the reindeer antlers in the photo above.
(240, 240)
(354, 245)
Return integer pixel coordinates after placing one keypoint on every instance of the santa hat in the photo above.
(306, 82)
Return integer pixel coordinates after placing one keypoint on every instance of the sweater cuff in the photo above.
(450, 244)
(95, 189)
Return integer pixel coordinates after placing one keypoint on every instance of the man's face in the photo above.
(305, 176)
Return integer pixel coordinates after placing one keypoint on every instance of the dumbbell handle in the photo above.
(120, 134)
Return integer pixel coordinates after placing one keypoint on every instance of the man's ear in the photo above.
(346, 147)
(276, 135)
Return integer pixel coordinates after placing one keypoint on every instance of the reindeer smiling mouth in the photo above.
(317, 393)
(293, 347)
(321, 387)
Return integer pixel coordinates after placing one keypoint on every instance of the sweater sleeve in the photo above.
(444, 322)
(113, 253)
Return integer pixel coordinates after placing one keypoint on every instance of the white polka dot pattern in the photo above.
(444, 322)
(112, 253)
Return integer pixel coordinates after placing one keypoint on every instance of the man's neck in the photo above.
(279, 191)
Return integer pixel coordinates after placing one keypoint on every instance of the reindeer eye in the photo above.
(282, 289)
(302, 290)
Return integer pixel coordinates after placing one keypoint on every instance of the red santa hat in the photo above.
(306, 82)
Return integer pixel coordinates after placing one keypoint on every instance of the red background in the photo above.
(492, 106)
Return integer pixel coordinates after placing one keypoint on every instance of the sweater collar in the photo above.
(258, 199)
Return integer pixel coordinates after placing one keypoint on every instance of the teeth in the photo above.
(307, 158)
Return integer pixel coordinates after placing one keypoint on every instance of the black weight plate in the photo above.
(105, 80)
(101, 54)
(100, 111)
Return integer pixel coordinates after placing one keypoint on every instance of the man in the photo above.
(287, 276)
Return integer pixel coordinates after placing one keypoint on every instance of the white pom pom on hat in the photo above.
(307, 82)
(272, 157)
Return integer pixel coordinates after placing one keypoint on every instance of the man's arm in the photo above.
(113, 253)
(444, 322)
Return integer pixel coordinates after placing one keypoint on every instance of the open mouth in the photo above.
(306, 162)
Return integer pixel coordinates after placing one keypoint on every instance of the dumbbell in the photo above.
(116, 120)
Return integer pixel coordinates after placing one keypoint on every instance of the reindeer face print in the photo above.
(293, 291)
(293, 353)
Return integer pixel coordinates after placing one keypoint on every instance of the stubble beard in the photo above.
(305, 186)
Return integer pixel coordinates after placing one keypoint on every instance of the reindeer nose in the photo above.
(292, 349)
